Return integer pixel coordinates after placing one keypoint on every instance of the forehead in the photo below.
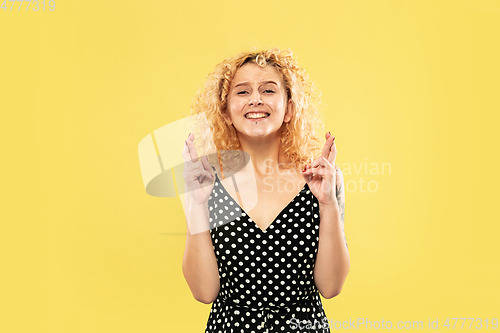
(253, 73)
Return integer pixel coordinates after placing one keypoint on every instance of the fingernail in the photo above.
(333, 138)
(330, 133)
(303, 170)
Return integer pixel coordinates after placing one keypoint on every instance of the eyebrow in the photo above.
(262, 82)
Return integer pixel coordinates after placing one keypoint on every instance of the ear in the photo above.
(289, 111)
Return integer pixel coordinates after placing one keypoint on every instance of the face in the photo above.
(255, 91)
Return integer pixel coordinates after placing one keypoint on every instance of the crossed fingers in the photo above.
(191, 159)
(325, 163)
(329, 149)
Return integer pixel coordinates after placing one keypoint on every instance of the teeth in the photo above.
(256, 115)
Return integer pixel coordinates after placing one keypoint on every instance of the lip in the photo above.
(257, 112)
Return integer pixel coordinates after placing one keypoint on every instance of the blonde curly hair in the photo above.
(299, 139)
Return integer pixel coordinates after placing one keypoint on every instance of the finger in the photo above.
(327, 172)
(327, 146)
(185, 154)
(333, 153)
(319, 171)
(206, 175)
(328, 179)
(320, 162)
(307, 177)
(195, 167)
(192, 150)
(315, 163)
(193, 171)
(206, 166)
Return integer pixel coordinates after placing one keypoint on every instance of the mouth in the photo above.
(256, 115)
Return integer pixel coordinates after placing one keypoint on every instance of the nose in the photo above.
(255, 99)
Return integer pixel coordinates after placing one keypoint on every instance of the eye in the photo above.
(269, 91)
(242, 92)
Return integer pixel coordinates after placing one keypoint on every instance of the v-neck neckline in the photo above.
(255, 223)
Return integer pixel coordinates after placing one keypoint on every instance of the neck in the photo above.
(265, 153)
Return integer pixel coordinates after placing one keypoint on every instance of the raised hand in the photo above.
(198, 175)
(320, 175)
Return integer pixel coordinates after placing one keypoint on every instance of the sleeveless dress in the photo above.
(266, 276)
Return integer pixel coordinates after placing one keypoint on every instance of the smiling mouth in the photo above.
(257, 115)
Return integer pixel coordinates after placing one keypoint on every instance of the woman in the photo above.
(263, 268)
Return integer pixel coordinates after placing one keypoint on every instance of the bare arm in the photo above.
(199, 264)
(332, 261)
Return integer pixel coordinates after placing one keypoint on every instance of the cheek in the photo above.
(232, 109)
(235, 105)
(229, 104)
(278, 103)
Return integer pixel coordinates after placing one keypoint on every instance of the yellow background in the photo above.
(414, 84)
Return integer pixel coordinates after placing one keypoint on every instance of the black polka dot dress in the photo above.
(266, 276)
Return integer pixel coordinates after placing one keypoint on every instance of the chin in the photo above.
(262, 134)
(256, 132)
